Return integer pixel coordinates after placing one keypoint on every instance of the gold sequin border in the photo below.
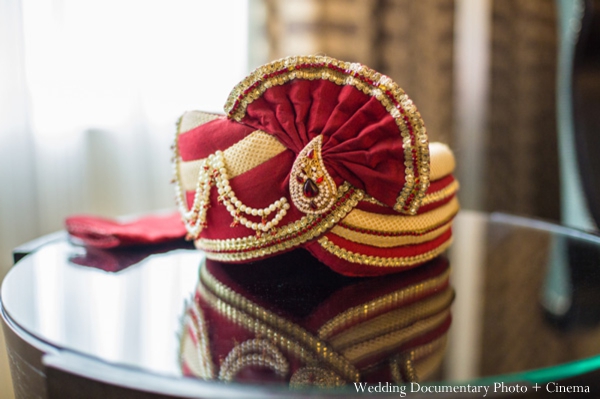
(430, 198)
(370, 82)
(284, 237)
(380, 261)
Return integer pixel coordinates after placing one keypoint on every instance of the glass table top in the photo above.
(512, 300)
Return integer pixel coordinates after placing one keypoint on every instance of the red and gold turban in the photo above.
(316, 153)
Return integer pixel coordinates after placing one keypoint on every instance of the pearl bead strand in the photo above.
(213, 172)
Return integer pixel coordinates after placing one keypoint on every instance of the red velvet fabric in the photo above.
(206, 139)
(361, 141)
(106, 233)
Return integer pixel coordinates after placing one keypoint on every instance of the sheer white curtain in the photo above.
(89, 95)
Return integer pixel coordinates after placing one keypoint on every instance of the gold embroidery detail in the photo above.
(442, 194)
(311, 187)
(380, 261)
(388, 241)
(370, 82)
(253, 352)
(430, 198)
(284, 237)
(359, 314)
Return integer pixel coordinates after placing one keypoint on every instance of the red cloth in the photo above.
(361, 141)
(106, 233)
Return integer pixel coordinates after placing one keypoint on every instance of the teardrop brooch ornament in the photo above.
(312, 189)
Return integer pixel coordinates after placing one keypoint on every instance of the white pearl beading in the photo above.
(213, 172)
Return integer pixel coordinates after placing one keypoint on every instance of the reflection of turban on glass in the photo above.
(294, 321)
(321, 154)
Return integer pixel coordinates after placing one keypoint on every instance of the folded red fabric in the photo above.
(107, 233)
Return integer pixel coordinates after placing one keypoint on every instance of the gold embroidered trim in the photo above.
(381, 241)
(442, 194)
(256, 148)
(370, 82)
(380, 261)
(264, 323)
(363, 220)
(284, 237)
(430, 198)
(359, 314)
(253, 352)
(394, 339)
(393, 320)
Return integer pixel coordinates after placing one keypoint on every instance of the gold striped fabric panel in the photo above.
(444, 193)
(424, 222)
(442, 161)
(253, 150)
(388, 241)
(380, 261)
(193, 119)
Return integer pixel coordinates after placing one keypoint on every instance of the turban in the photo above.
(316, 153)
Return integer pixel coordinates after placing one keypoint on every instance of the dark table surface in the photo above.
(526, 309)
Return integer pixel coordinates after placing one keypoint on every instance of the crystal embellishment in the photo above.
(312, 189)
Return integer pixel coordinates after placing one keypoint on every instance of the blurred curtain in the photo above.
(89, 96)
(415, 43)
(522, 167)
